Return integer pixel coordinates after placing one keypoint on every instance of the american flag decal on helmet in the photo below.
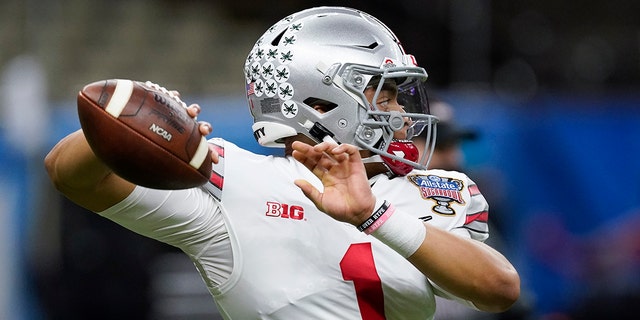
(250, 89)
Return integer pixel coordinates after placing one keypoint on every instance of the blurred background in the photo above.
(551, 88)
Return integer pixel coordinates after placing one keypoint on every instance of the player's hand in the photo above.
(205, 128)
(347, 195)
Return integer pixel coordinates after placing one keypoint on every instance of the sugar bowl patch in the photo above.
(442, 190)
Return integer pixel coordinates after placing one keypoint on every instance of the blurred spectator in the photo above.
(448, 155)
(448, 152)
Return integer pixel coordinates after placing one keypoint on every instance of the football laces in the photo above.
(162, 89)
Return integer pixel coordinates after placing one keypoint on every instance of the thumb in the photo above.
(309, 191)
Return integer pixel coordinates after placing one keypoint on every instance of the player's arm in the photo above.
(466, 268)
(78, 174)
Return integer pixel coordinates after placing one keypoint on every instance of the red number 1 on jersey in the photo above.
(358, 266)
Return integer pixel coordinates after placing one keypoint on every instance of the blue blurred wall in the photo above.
(567, 170)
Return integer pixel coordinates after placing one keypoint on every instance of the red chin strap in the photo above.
(407, 150)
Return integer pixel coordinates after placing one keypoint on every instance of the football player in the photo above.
(349, 224)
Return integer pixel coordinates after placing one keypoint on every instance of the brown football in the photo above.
(144, 134)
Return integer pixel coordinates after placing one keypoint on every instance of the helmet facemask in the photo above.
(388, 133)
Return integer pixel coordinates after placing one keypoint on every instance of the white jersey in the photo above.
(266, 252)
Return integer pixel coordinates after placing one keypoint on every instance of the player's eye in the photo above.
(384, 103)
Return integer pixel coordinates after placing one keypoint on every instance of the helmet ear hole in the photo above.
(320, 104)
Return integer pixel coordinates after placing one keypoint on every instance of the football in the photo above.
(144, 134)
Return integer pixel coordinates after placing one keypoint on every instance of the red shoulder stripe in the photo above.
(217, 180)
(474, 190)
(219, 149)
(482, 216)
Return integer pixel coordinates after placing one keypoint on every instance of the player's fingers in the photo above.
(309, 191)
(304, 153)
(205, 128)
(348, 150)
(345, 148)
(324, 147)
(300, 146)
(215, 157)
(327, 161)
(301, 157)
(194, 110)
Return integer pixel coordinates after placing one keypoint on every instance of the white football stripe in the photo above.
(201, 154)
(121, 96)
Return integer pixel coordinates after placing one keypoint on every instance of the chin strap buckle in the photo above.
(320, 133)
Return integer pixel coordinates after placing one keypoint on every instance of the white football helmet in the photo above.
(329, 55)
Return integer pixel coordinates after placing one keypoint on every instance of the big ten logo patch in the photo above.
(283, 210)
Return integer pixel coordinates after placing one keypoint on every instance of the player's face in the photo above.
(387, 101)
